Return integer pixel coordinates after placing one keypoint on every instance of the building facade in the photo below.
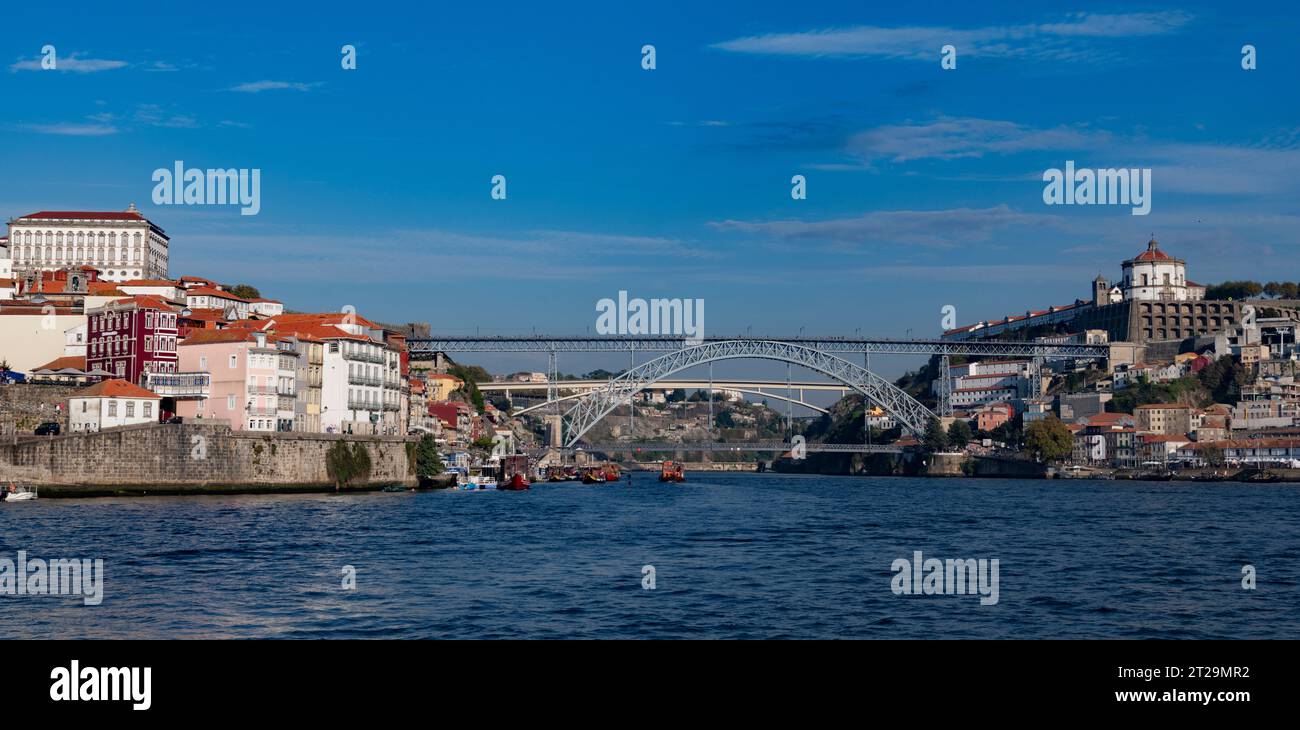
(111, 403)
(131, 337)
(122, 245)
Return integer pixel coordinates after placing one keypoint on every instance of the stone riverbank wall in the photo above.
(196, 458)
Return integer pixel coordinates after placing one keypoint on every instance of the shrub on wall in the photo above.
(346, 465)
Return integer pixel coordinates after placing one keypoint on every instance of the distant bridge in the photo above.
(651, 343)
(814, 353)
(748, 387)
(778, 446)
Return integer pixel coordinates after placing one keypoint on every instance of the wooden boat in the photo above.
(671, 471)
(516, 483)
(593, 475)
(611, 472)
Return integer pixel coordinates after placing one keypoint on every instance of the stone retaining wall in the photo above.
(194, 458)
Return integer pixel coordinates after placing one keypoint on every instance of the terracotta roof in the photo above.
(200, 291)
(148, 282)
(1153, 253)
(229, 334)
(115, 389)
(76, 362)
(326, 318)
(150, 301)
(116, 215)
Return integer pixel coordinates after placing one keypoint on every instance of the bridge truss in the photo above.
(600, 402)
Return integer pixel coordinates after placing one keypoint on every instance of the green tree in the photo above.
(1048, 439)
(959, 433)
(724, 420)
(1234, 290)
(245, 291)
(428, 462)
(936, 439)
(1213, 455)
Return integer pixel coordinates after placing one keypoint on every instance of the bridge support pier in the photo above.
(945, 387)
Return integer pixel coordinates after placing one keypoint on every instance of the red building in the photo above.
(132, 336)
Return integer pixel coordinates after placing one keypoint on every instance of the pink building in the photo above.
(244, 369)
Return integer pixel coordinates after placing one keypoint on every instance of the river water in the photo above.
(733, 556)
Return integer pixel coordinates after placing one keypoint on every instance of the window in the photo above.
(83, 406)
(148, 343)
(230, 402)
(130, 409)
(112, 409)
(148, 409)
(234, 361)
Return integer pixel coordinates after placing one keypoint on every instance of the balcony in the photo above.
(262, 390)
(362, 405)
(363, 380)
(179, 385)
(262, 411)
(363, 356)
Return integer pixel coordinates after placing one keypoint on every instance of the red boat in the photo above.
(672, 472)
(517, 483)
(611, 472)
(513, 469)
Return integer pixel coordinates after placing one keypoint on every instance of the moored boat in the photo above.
(671, 471)
(15, 493)
(611, 472)
(516, 483)
(593, 475)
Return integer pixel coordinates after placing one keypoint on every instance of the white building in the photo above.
(991, 381)
(122, 245)
(1155, 276)
(203, 297)
(266, 307)
(111, 403)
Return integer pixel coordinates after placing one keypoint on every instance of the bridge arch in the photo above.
(750, 391)
(601, 401)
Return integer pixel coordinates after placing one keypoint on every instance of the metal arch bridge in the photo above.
(1040, 352)
(427, 347)
(747, 391)
(758, 388)
(598, 403)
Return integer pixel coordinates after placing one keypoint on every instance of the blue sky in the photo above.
(924, 185)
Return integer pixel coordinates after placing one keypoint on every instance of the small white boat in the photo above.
(15, 493)
(478, 483)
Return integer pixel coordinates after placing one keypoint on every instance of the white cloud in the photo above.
(253, 87)
(953, 137)
(71, 62)
(71, 130)
(929, 228)
(923, 42)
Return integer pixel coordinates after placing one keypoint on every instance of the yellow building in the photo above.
(1169, 419)
(442, 386)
